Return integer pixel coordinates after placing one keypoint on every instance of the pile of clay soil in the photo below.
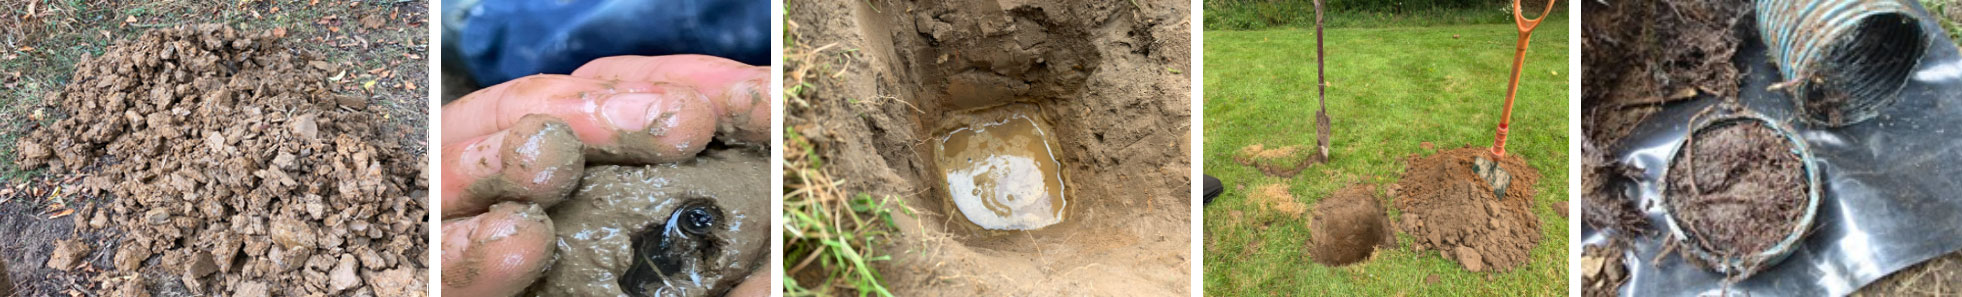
(1348, 227)
(235, 171)
(1447, 208)
(1112, 78)
(1737, 188)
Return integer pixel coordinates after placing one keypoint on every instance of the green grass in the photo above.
(1950, 22)
(1301, 15)
(1392, 89)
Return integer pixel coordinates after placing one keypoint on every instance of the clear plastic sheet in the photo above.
(1892, 185)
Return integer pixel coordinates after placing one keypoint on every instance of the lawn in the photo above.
(1391, 89)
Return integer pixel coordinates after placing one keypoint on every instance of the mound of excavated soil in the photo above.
(236, 171)
(1738, 188)
(1348, 227)
(1449, 209)
(1109, 76)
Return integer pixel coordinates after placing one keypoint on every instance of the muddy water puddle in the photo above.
(1002, 171)
(664, 230)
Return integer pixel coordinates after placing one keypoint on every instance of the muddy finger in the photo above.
(497, 253)
(537, 160)
(619, 122)
(737, 89)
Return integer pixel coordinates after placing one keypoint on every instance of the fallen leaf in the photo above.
(370, 85)
(336, 29)
(311, 3)
(27, 48)
(131, 19)
(409, 85)
(279, 32)
(64, 212)
(1555, 73)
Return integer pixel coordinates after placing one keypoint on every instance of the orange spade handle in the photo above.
(1518, 61)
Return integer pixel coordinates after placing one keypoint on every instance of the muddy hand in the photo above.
(514, 149)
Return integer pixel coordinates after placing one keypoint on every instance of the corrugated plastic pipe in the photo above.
(1843, 60)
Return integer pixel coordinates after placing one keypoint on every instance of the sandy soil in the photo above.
(1107, 75)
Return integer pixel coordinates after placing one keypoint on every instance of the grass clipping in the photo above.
(237, 169)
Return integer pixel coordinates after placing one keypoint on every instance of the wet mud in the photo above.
(680, 229)
(1105, 76)
(1002, 174)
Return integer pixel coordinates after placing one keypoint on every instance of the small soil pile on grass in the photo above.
(236, 170)
(1737, 188)
(1448, 208)
(1275, 197)
(1281, 162)
(1348, 227)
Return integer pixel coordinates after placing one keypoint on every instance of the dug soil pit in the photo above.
(1280, 162)
(1737, 188)
(234, 169)
(1105, 78)
(685, 229)
(1348, 227)
(1447, 207)
(1001, 169)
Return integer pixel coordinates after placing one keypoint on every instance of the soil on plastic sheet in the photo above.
(1348, 227)
(231, 168)
(1941, 276)
(1605, 205)
(1602, 270)
(1641, 53)
(1737, 188)
(1638, 56)
(1447, 208)
(1112, 78)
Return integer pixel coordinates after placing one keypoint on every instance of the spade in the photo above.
(1321, 88)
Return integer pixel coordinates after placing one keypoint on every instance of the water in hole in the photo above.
(1003, 175)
